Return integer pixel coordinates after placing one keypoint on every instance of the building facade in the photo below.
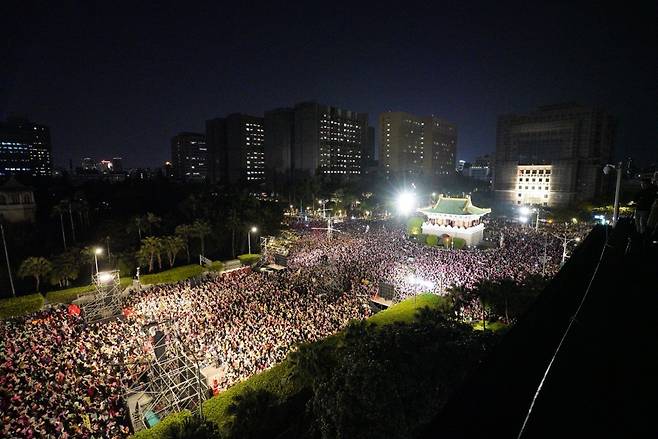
(312, 138)
(189, 157)
(236, 149)
(368, 155)
(480, 169)
(416, 145)
(552, 156)
(328, 140)
(17, 203)
(454, 218)
(25, 148)
(279, 125)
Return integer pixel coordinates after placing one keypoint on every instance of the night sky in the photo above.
(113, 81)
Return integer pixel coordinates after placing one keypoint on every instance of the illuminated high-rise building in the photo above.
(236, 149)
(25, 148)
(189, 157)
(416, 145)
(552, 156)
(314, 138)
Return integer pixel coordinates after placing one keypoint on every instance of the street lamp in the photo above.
(252, 230)
(607, 169)
(97, 251)
(526, 211)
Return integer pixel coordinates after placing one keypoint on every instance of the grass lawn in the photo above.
(14, 307)
(491, 326)
(274, 379)
(68, 295)
(406, 310)
(172, 275)
(17, 306)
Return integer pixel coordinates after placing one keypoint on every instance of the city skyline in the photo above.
(130, 87)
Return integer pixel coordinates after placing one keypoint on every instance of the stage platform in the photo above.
(380, 301)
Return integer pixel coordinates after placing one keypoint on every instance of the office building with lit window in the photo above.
(236, 149)
(189, 157)
(552, 156)
(25, 148)
(416, 145)
(328, 140)
(312, 138)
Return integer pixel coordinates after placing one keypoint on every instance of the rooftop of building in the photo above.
(455, 206)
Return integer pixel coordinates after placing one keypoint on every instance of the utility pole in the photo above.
(606, 170)
(4, 243)
(543, 270)
(537, 223)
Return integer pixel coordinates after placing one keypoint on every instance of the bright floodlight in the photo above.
(523, 219)
(577, 239)
(406, 202)
(525, 211)
(418, 281)
(105, 277)
(254, 229)
(98, 250)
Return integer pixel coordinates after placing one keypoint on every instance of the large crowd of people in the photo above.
(62, 377)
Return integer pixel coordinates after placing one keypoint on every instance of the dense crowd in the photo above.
(385, 254)
(61, 377)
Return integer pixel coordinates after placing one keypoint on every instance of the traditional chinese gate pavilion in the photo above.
(456, 218)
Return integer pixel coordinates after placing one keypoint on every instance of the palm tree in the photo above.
(152, 220)
(485, 291)
(185, 231)
(172, 246)
(89, 255)
(65, 269)
(35, 266)
(152, 247)
(233, 222)
(201, 229)
(58, 209)
(69, 206)
(139, 223)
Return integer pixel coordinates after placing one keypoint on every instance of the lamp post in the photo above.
(252, 230)
(565, 243)
(322, 202)
(97, 251)
(606, 170)
(537, 223)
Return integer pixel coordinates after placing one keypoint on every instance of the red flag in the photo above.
(74, 309)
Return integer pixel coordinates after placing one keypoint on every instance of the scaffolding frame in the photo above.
(172, 382)
(106, 301)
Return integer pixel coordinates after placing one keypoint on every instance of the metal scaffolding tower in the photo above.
(106, 301)
(172, 382)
